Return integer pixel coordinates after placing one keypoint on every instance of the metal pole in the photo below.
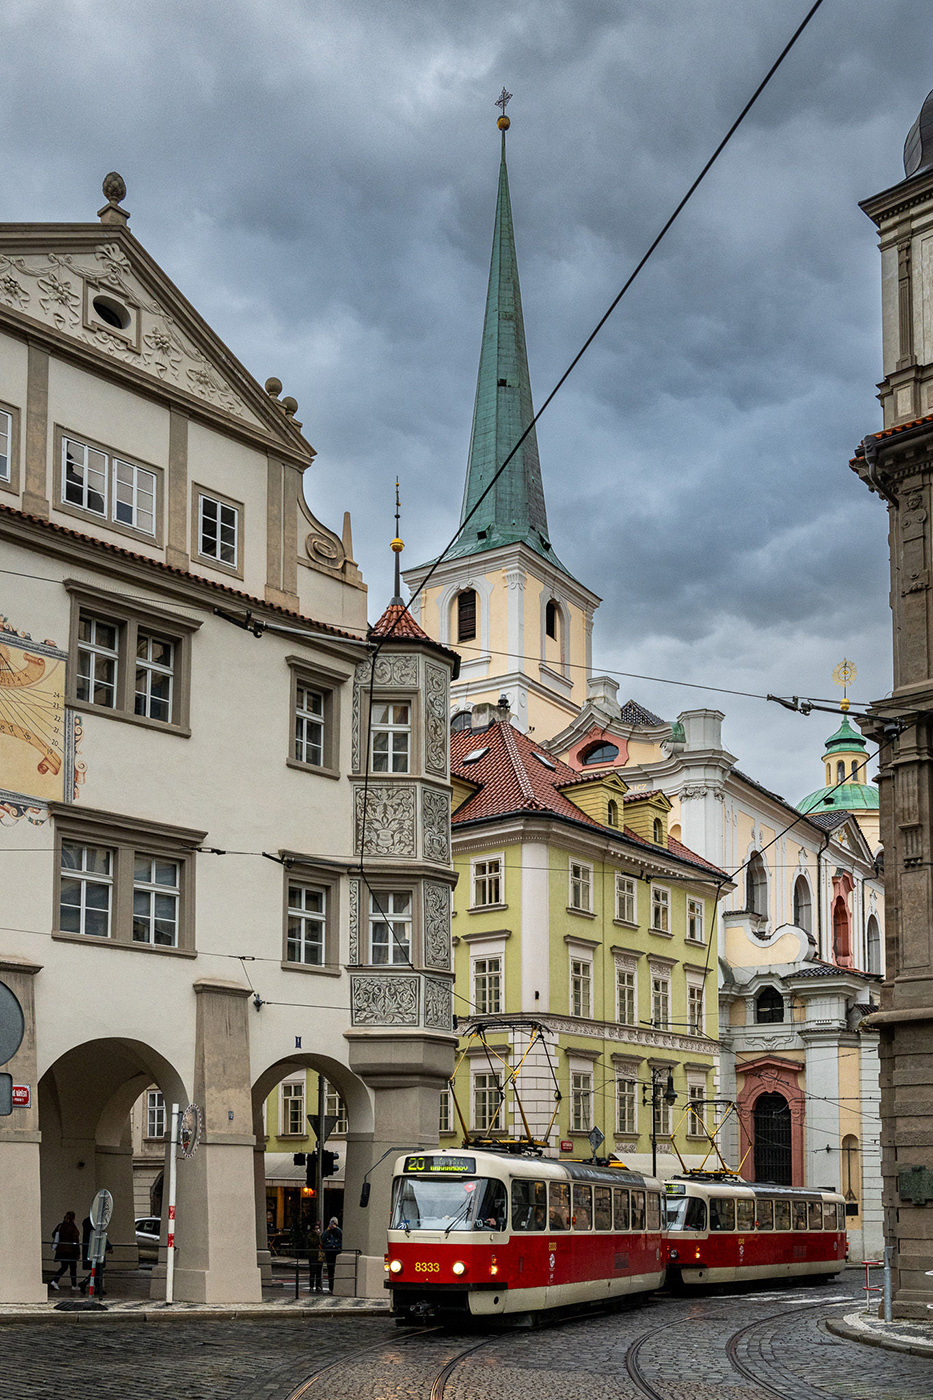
(888, 1281)
(318, 1176)
(655, 1086)
(170, 1249)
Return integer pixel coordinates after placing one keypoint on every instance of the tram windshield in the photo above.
(685, 1213)
(475, 1204)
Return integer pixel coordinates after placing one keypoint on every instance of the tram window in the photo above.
(829, 1215)
(583, 1207)
(744, 1213)
(602, 1208)
(653, 1217)
(685, 1213)
(638, 1210)
(800, 1214)
(620, 1209)
(722, 1213)
(529, 1205)
(559, 1211)
(765, 1215)
(782, 1215)
(816, 1215)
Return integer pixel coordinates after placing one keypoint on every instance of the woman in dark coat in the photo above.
(67, 1249)
(332, 1240)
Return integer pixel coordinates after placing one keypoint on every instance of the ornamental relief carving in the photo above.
(390, 820)
(435, 825)
(395, 670)
(436, 925)
(354, 922)
(51, 287)
(435, 720)
(661, 1040)
(438, 1003)
(384, 1001)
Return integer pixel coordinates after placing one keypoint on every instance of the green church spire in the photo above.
(514, 511)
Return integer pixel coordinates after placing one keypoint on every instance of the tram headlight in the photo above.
(675, 1253)
(459, 1268)
(395, 1266)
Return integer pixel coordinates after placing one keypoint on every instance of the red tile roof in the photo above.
(510, 779)
(161, 567)
(397, 622)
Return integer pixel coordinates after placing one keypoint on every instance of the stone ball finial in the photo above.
(273, 387)
(114, 187)
(291, 406)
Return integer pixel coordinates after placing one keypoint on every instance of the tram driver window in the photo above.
(800, 1214)
(745, 1213)
(620, 1209)
(559, 1206)
(685, 1213)
(492, 1208)
(602, 1208)
(529, 1205)
(765, 1215)
(782, 1215)
(638, 1210)
(721, 1213)
(583, 1207)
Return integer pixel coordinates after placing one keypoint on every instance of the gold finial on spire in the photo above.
(503, 101)
(397, 546)
(844, 675)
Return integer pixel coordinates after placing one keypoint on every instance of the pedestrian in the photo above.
(332, 1242)
(315, 1259)
(66, 1242)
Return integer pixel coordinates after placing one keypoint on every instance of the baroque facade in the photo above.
(224, 808)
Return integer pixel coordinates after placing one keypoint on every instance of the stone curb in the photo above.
(870, 1336)
(193, 1312)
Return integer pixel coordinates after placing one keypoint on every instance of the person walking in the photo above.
(67, 1242)
(315, 1259)
(332, 1242)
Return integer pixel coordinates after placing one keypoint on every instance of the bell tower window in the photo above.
(550, 619)
(466, 615)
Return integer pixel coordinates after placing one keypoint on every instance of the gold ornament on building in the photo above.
(503, 101)
(844, 675)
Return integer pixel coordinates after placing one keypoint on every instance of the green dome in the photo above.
(851, 797)
(845, 737)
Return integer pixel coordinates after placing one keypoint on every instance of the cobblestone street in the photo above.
(726, 1347)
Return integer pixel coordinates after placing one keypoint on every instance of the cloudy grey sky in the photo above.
(319, 179)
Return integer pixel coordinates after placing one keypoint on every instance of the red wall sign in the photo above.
(566, 1144)
(22, 1096)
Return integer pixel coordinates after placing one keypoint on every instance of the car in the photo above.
(148, 1233)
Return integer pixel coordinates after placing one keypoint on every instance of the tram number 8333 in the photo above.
(426, 1268)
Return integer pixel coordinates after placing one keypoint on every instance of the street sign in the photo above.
(22, 1096)
(330, 1123)
(596, 1139)
(190, 1130)
(101, 1210)
(97, 1246)
(566, 1144)
(12, 1024)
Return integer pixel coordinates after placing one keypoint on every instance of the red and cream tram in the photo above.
(725, 1230)
(487, 1233)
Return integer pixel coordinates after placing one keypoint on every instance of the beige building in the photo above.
(218, 868)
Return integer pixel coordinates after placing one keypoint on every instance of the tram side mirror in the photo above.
(364, 1195)
(851, 1207)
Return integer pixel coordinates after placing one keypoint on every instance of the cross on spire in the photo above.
(503, 100)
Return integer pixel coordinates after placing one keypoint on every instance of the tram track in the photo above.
(433, 1385)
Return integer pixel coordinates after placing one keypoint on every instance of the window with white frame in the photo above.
(626, 992)
(486, 877)
(660, 909)
(156, 897)
(696, 1095)
(334, 1107)
(662, 1114)
(581, 886)
(487, 986)
(581, 1101)
(98, 657)
(293, 1109)
(86, 889)
(626, 1105)
(695, 1008)
(626, 900)
(486, 1103)
(445, 1114)
(309, 725)
(155, 1114)
(660, 1000)
(6, 445)
(307, 924)
(128, 660)
(218, 531)
(581, 987)
(391, 737)
(155, 677)
(100, 483)
(390, 915)
(695, 920)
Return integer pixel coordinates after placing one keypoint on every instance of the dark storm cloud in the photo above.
(319, 179)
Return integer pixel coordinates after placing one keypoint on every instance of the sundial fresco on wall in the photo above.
(37, 733)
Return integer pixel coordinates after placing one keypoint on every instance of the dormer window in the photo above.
(599, 753)
(612, 815)
(466, 615)
(658, 832)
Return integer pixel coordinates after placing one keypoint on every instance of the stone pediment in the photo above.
(99, 288)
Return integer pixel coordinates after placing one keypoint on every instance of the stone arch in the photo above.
(447, 609)
(771, 1075)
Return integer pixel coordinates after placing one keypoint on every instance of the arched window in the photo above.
(550, 619)
(658, 832)
(463, 719)
(756, 886)
(873, 944)
(613, 817)
(466, 615)
(855, 770)
(769, 1007)
(851, 1168)
(772, 1140)
(802, 905)
(842, 933)
(840, 772)
(599, 753)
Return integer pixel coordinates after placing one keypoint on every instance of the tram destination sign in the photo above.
(437, 1166)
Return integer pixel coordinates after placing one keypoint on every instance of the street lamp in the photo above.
(670, 1097)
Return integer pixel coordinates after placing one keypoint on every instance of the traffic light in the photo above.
(298, 1158)
(328, 1163)
(311, 1169)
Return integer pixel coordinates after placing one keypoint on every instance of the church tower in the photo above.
(501, 597)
